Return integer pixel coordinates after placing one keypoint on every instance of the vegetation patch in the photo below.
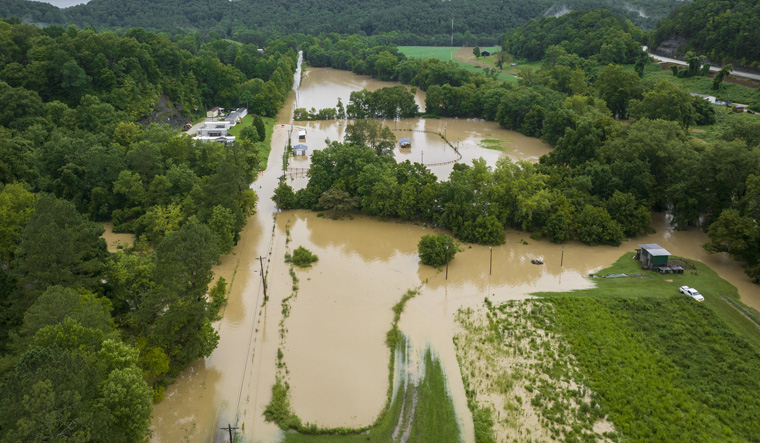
(265, 146)
(583, 367)
(449, 54)
(641, 346)
(522, 383)
(492, 143)
(436, 249)
(301, 257)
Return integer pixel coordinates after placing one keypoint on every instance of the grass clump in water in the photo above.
(492, 143)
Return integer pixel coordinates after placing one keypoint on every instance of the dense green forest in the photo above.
(598, 184)
(725, 31)
(601, 34)
(77, 148)
(425, 22)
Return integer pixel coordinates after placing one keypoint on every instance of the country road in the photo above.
(712, 68)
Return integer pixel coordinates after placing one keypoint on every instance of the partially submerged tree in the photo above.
(436, 249)
(373, 134)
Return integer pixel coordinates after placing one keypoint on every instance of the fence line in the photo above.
(299, 172)
(423, 131)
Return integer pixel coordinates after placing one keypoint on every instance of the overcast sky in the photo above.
(63, 3)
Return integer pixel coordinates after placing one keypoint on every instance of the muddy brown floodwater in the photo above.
(322, 87)
(334, 341)
(116, 241)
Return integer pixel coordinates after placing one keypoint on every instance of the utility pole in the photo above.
(263, 278)
(230, 429)
(452, 32)
(562, 258)
(422, 155)
(490, 263)
(447, 262)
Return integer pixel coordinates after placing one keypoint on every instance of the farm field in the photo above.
(457, 55)
(617, 362)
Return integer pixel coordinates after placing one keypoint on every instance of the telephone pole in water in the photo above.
(230, 429)
(263, 279)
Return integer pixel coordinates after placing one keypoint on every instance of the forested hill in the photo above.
(724, 31)
(413, 21)
(598, 34)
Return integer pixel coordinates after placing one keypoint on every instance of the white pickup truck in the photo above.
(691, 292)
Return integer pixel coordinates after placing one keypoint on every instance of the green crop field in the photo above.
(446, 53)
(643, 346)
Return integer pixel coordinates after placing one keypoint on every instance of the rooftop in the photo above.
(655, 249)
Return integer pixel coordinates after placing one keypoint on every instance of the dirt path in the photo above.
(731, 302)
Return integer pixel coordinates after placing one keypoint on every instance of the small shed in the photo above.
(300, 149)
(653, 256)
(485, 53)
(405, 143)
(302, 135)
(214, 112)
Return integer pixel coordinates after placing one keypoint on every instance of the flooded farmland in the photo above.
(334, 341)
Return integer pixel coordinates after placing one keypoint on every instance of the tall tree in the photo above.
(59, 246)
(181, 325)
(617, 87)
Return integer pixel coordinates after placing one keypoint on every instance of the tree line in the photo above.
(725, 31)
(89, 339)
(419, 22)
(597, 185)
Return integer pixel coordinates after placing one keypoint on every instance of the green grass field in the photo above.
(656, 285)
(266, 146)
(643, 346)
(446, 53)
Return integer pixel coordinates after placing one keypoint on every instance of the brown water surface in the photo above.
(334, 343)
(322, 87)
(116, 241)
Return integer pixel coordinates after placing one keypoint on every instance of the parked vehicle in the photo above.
(691, 292)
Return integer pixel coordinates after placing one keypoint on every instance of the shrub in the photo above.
(432, 249)
(302, 257)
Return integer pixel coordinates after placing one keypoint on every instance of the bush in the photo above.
(432, 249)
(285, 197)
(302, 257)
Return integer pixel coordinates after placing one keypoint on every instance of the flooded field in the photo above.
(322, 87)
(334, 342)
